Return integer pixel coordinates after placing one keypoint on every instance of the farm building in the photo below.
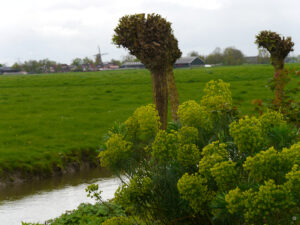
(9, 70)
(109, 66)
(132, 65)
(180, 63)
(251, 59)
(188, 62)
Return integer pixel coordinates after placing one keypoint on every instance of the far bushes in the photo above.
(230, 56)
(233, 56)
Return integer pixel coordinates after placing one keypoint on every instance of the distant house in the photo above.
(251, 59)
(132, 65)
(88, 67)
(180, 63)
(291, 59)
(52, 69)
(188, 62)
(65, 68)
(110, 66)
(9, 70)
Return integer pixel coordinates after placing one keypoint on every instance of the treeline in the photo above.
(51, 66)
(228, 56)
(233, 56)
(38, 66)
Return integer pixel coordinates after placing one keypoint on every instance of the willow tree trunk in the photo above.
(279, 79)
(172, 92)
(160, 95)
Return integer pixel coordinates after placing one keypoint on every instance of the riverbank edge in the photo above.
(86, 159)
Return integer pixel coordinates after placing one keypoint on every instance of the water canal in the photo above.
(39, 201)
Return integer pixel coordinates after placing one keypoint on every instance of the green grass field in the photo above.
(46, 119)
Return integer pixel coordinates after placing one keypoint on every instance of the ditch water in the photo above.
(39, 201)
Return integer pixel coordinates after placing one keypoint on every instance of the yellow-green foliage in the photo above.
(235, 200)
(215, 148)
(217, 96)
(271, 199)
(264, 206)
(193, 188)
(117, 152)
(191, 114)
(225, 174)
(268, 164)
(138, 191)
(247, 134)
(188, 155)
(213, 153)
(293, 180)
(270, 119)
(239, 182)
(188, 135)
(277, 175)
(120, 220)
(292, 154)
(144, 123)
(164, 147)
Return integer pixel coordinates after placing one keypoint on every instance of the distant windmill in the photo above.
(99, 57)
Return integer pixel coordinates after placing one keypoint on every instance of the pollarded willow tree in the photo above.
(150, 38)
(278, 47)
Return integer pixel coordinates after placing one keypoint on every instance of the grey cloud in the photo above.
(63, 30)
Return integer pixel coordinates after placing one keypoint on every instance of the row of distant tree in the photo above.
(228, 56)
(47, 66)
(233, 56)
(38, 66)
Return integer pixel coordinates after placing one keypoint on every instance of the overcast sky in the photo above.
(62, 30)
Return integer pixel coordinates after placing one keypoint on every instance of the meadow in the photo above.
(51, 119)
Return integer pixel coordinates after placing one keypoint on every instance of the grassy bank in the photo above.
(92, 214)
(50, 120)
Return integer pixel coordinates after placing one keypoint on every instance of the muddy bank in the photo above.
(70, 166)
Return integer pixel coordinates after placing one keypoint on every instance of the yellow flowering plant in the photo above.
(192, 114)
(143, 124)
(217, 96)
(208, 168)
(247, 134)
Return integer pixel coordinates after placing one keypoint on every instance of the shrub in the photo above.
(271, 119)
(191, 114)
(247, 134)
(212, 154)
(164, 146)
(196, 174)
(118, 153)
(266, 165)
(217, 96)
(188, 135)
(120, 220)
(194, 189)
(225, 174)
(188, 155)
(88, 214)
(143, 124)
